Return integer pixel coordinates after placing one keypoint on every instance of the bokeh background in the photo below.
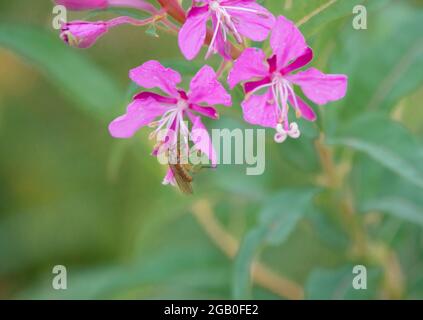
(349, 192)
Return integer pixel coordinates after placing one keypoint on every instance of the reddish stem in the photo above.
(174, 9)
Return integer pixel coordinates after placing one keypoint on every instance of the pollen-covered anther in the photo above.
(294, 132)
(280, 137)
(282, 133)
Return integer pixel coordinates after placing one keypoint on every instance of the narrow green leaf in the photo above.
(282, 212)
(248, 250)
(337, 284)
(396, 206)
(386, 142)
(380, 74)
(278, 219)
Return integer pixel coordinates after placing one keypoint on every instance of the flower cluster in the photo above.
(222, 26)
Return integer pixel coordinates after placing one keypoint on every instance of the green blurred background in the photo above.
(348, 192)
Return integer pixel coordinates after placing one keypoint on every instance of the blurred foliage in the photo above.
(71, 195)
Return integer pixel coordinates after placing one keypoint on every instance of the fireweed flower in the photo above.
(168, 112)
(83, 34)
(275, 77)
(229, 17)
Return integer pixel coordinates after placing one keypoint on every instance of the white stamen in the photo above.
(294, 131)
(282, 89)
(280, 137)
(213, 40)
(226, 24)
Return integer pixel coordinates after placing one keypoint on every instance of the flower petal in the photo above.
(253, 85)
(201, 139)
(286, 41)
(209, 112)
(300, 62)
(139, 113)
(319, 87)
(305, 110)
(255, 26)
(164, 100)
(250, 64)
(193, 33)
(205, 88)
(169, 178)
(152, 74)
(260, 110)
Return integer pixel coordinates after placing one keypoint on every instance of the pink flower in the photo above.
(229, 17)
(81, 5)
(168, 112)
(83, 34)
(274, 78)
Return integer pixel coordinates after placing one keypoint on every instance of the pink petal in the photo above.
(201, 139)
(300, 62)
(145, 95)
(251, 25)
(319, 87)
(209, 112)
(286, 41)
(205, 88)
(169, 178)
(139, 113)
(305, 110)
(260, 110)
(250, 86)
(193, 33)
(250, 64)
(152, 74)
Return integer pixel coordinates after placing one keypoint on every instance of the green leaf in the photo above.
(378, 189)
(93, 91)
(380, 73)
(242, 268)
(278, 219)
(386, 142)
(396, 206)
(336, 284)
(282, 212)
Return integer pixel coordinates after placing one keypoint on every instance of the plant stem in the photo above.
(393, 282)
(260, 273)
(174, 9)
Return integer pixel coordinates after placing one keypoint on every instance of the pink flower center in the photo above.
(173, 119)
(283, 95)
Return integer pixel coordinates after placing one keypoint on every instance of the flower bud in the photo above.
(82, 34)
